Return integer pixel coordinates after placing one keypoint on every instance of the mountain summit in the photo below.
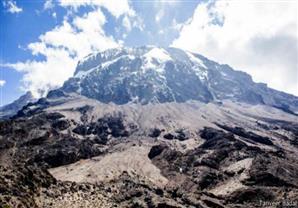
(157, 75)
(151, 127)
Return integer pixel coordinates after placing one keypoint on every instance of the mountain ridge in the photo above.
(138, 74)
(200, 83)
(11, 109)
(151, 127)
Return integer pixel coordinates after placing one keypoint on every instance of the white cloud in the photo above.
(115, 7)
(40, 76)
(126, 23)
(176, 26)
(163, 8)
(159, 15)
(74, 38)
(61, 48)
(166, 3)
(258, 37)
(11, 6)
(54, 15)
(136, 22)
(2, 82)
(49, 4)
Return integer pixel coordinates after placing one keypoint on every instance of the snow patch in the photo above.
(103, 65)
(108, 63)
(155, 57)
(82, 74)
(202, 74)
(159, 54)
(195, 59)
(89, 58)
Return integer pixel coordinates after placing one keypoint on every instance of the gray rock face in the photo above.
(67, 150)
(157, 75)
(12, 108)
(76, 152)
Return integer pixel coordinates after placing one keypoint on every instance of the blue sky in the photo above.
(41, 41)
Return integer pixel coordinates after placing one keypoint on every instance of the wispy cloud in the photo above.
(2, 82)
(54, 15)
(49, 4)
(11, 6)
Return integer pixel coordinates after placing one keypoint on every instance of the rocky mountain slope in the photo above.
(12, 108)
(153, 74)
(178, 141)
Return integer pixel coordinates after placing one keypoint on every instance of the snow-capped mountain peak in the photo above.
(158, 54)
(155, 59)
(155, 74)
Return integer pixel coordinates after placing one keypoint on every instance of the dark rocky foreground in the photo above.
(230, 166)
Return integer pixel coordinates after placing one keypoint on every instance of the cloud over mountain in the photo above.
(61, 47)
(254, 36)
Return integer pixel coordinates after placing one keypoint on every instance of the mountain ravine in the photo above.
(152, 127)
